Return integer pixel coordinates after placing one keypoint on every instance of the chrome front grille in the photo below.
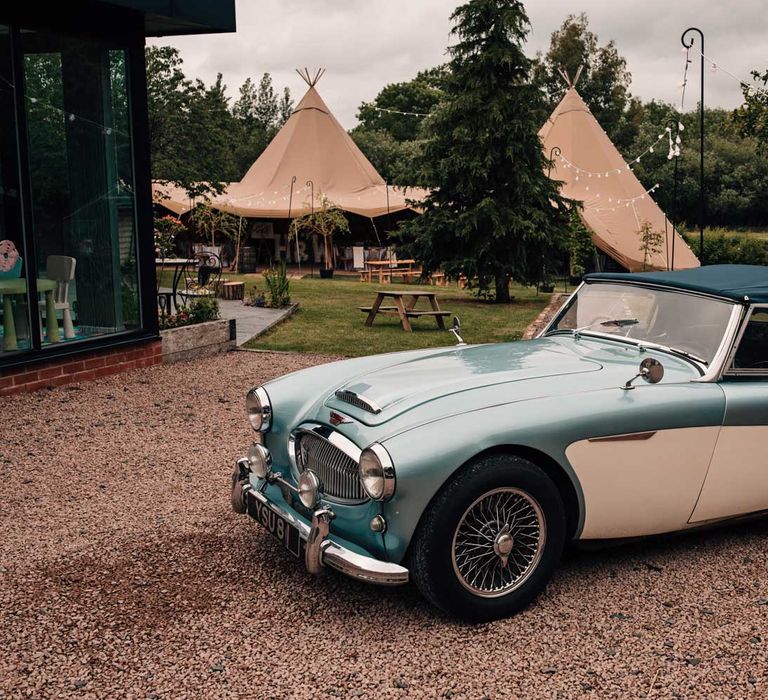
(337, 471)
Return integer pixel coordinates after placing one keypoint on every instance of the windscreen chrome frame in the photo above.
(711, 372)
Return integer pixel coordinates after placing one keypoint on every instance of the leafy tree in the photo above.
(284, 108)
(187, 126)
(603, 82)
(493, 214)
(752, 117)
(393, 159)
(736, 173)
(418, 96)
(326, 220)
(258, 115)
(651, 243)
(392, 140)
(581, 249)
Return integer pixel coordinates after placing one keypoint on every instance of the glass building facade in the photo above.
(76, 248)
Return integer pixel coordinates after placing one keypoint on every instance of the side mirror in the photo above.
(651, 370)
(455, 330)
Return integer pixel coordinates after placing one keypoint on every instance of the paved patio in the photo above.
(251, 320)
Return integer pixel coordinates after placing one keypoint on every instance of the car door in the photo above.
(737, 479)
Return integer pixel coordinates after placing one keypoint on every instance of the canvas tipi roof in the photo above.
(615, 203)
(312, 153)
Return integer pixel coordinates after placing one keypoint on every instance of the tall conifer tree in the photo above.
(493, 214)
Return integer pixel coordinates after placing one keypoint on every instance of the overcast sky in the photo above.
(365, 44)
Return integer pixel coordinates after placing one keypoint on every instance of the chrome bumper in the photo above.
(321, 551)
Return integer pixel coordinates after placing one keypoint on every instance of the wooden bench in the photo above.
(417, 314)
(382, 309)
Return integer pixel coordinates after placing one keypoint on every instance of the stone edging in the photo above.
(545, 316)
(198, 340)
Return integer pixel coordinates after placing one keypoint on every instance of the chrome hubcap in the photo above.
(498, 542)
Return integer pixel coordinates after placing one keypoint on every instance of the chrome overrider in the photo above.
(320, 551)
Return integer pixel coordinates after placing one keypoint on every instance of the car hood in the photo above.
(404, 385)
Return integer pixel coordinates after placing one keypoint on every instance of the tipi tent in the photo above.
(311, 157)
(616, 204)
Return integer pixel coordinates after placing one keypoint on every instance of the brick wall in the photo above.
(79, 368)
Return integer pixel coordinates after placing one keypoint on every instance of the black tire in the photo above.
(431, 559)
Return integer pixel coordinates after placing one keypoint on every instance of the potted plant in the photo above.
(325, 220)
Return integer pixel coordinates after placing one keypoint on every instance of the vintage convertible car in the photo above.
(640, 409)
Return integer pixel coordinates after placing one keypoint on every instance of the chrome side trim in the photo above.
(625, 438)
(358, 400)
(335, 555)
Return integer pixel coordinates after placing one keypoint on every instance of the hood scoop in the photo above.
(358, 400)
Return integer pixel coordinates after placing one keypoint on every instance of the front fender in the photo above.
(428, 455)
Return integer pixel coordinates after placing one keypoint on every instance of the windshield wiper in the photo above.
(613, 322)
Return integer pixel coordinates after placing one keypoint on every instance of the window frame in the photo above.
(745, 373)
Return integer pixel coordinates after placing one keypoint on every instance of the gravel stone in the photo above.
(125, 574)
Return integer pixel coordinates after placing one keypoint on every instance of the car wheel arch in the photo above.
(569, 491)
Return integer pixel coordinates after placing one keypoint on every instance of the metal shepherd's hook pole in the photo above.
(290, 208)
(311, 186)
(688, 43)
(554, 152)
(674, 127)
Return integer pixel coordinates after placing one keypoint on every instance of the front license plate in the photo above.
(279, 527)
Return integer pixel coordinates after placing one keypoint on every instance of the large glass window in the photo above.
(81, 186)
(15, 327)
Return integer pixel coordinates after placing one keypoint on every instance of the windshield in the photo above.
(684, 322)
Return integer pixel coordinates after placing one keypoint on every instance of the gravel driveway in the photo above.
(124, 573)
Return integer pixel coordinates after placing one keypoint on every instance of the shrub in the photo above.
(199, 310)
(723, 248)
(278, 286)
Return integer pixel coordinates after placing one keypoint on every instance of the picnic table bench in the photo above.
(404, 307)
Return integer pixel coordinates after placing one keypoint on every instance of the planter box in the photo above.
(199, 340)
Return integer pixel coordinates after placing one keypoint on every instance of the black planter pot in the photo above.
(326, 273)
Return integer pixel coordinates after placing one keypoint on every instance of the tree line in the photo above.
(736, 169)
(198, 140)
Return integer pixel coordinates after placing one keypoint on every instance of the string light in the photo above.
(397, 111)
(673, 152)
(627, 201)
(715, 67)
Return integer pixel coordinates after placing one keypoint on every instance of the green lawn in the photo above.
(328, 320)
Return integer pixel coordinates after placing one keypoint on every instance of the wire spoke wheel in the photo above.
(499, 542)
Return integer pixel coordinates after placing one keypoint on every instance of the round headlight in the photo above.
(377, 474)
(259, 460)
(309, 487)
(259, 409)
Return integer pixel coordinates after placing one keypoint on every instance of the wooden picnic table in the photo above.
(386, 267)
(404, 307)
